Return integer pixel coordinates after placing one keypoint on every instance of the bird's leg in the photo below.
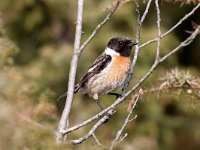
(62, 96)
(97, 101)
(115, 94)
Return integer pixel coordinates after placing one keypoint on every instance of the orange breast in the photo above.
(120, 67)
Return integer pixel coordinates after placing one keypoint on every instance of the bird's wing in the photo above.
(99, 64)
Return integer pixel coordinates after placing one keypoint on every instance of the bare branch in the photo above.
(98, 141)
(156, 63)
(127, 120)
(174, 27)
(159, 32)
(137, 47)
(65, 115)
(171, 81)
(76, 127)
(122, 138)
(98, 27)
(183, 44)
(94, 136)
(146, 11)
(93, 129)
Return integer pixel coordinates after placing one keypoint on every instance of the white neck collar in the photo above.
(111, 52)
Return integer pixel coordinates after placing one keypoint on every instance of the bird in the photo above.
(108, 72)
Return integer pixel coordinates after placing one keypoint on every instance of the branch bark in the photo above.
(63, 124)
(137, 47)
(94, 128)
(174, 27)
(159, 32)
(127, 120)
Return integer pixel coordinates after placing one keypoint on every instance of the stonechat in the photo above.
(109, 70)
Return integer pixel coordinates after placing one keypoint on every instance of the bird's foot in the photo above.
(116, 94)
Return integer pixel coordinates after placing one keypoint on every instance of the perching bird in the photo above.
(108, 71)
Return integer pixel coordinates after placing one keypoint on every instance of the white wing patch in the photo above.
(91, 69)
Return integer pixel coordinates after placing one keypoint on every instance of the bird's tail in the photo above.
(62, 96)
(77, 87)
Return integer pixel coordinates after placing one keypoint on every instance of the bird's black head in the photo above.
(122, 45)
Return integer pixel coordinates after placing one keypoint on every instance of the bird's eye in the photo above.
(120, 42)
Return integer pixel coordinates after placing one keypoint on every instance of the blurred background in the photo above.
(36, 45)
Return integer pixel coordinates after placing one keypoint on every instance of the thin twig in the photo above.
(172, 28)
(156, 63)
(94, 136)
(146, 11)
(96, 139)
(137, 47)
(121, 99)
(159, 32)
(183, 44)
(76, 127)
(65, 115)
(98, 27)
(137, 39)
(127, 120)
(122, 138)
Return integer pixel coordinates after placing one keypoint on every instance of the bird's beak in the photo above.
(132, 43)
